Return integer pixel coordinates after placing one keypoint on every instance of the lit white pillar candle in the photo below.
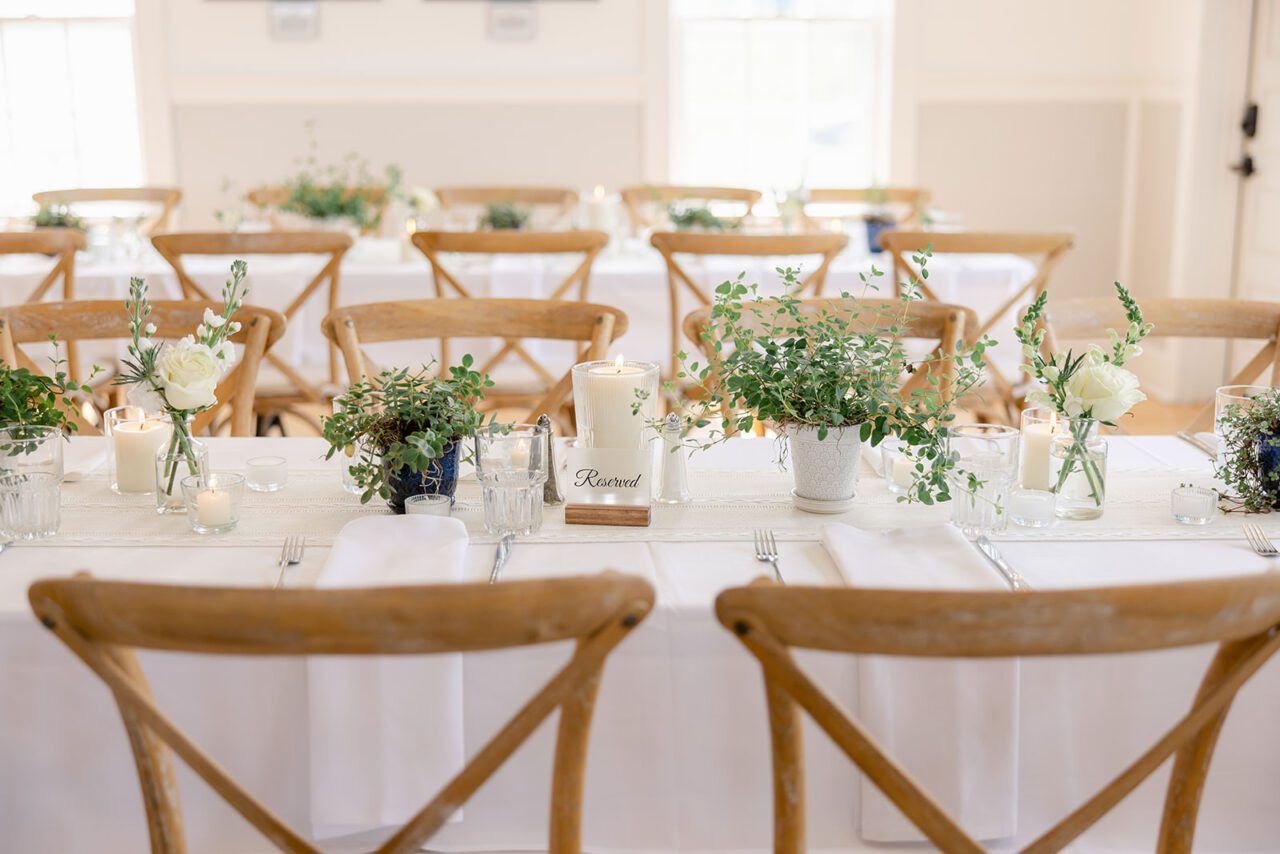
(1037, 438)
(136, 444)
(611, 396)
(213, 508)
(597, 210)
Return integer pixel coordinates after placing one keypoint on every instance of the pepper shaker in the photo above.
(551, 489)
(675, 475)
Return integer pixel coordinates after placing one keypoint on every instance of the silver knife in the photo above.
(1192, 439)
(989, 549)
(500, 556)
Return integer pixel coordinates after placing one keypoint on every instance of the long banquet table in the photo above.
(679, 754)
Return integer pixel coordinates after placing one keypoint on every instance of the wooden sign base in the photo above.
(627, 515)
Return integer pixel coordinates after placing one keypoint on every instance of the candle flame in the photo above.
(598, 192)
(410, 226)
(619, 363)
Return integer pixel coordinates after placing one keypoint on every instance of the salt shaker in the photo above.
(551, 489)
(675, 477)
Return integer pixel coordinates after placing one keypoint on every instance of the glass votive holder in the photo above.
(428, 505)
(213, 501)
(135, 437)
(30, 505)
(1193, 505)
(1032, 508)
(898, 470)
(267, 474)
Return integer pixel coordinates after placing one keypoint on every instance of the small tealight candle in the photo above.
(213, 501)
(428, 505)
(898, 471)
(1031, 508)
(1193, 505)
(267, 474)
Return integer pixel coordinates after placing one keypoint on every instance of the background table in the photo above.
(679, 754)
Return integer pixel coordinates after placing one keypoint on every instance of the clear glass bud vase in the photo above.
(182, 456)
(1078, 469)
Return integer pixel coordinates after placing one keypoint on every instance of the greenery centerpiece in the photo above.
(347, 190)
(1248, 463)
(403, 430)
(504, 216)
(58, 216)
(35, 411)
(1085, 390)
(829, 379)
(698, 218)
(180, 378)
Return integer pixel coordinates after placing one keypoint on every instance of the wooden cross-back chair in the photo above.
(1228, 319)
(588, 244)
(562, 201)
(946, 324)
(673, 243)
(595, 326)
(1241, 615)
(103, 622)
(911, 200)
(166, 197)
(270, 199)
(89, 320)
(646, 205)
(61, 244)
(331, 245)
(1048, 248)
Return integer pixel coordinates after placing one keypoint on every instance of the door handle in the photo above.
(1244, 167)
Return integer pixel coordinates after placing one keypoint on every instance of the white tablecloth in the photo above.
(634, 282)
(679, 754)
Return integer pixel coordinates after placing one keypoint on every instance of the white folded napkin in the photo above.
(952, 724)
(386, 733)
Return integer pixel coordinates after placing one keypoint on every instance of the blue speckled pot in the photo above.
(440, 478)
(1269, 457)
(874, 229)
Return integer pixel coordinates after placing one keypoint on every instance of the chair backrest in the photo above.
(271, 198)
(331, 245)
(586, 243)
(1046, 249)
(1242, 615)
(1229, 319)
(596, 326)
(166, 197)
(646, 205)
(940, 322)
(911, 201)
(561, 200)
(103, 622)
(59, 243)
(672, 243)
(90, 320)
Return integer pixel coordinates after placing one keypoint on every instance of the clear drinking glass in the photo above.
(988, 452)
(31, 447)
(30, 505)
(512, 467)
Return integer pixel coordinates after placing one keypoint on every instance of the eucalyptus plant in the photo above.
(1249, 462)
(403, 419)
(782, 362)
(57, 216)
(504, 216)
(347, 190)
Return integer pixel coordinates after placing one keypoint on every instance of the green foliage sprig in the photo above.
(504, 216)
(346, 190)
(1250, 435)
(782, 362)
(686, 218)
(28, 399)
(57, 216)
(401, 419)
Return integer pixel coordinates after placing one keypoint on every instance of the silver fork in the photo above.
(1259, 542)
(290, 555)
(767, 552)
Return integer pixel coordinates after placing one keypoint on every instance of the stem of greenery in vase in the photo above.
(179, 441)
(1078, 454)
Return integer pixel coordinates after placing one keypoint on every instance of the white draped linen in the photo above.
(679, 753)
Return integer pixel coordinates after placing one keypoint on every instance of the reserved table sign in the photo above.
(608, 486)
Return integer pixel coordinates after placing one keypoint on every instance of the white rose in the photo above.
(189, 373)
(1101, 389)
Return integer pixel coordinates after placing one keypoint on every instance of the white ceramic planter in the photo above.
(827, 469)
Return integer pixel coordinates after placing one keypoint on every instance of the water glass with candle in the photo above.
(213, 501)
(511, 466)
(615, 402)
(267, 474)
(135, 438)
(898, 470)
(988, 452)
(428, 505)
(1032, 508)
(1039, 424)
(30, 505)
